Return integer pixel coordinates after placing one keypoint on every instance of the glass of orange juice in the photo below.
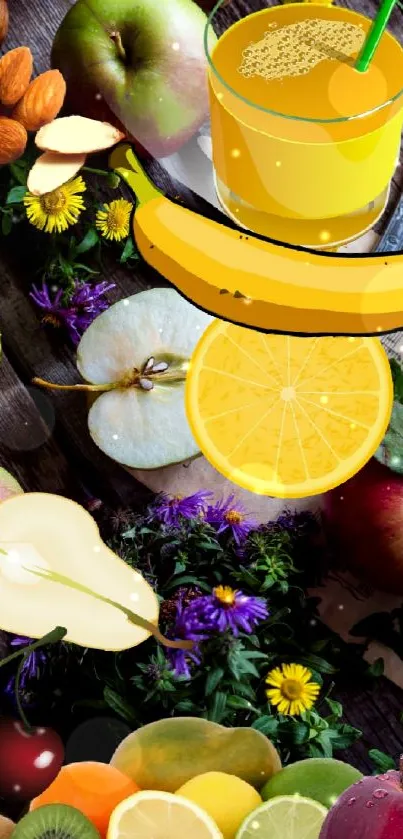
(304, 145)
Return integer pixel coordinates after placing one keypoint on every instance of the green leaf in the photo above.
(90, 240)
(315, 662)
(213, 679)
(381, 761)
(397, 376)
(335, 707)
(300, 733)
(6, 224)
(129, 251)
(119, 705)
(218, 708)
(16, 195)
(19, 172)
(267, 725)
(377, 668)
(239, 704)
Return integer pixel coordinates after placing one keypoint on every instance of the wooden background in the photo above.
(44, 440)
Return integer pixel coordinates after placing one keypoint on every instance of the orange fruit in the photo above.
(93, 788)
(287, 416)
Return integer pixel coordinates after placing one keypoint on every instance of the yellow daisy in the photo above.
(292, 689)
(114, 220)
(56, 211)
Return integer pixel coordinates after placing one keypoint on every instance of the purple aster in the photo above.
(85, 304)
(228, 515)
(224, 609)
(31, 664)
(170, 509)
(181, 660)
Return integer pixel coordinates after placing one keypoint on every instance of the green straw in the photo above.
(374, 35)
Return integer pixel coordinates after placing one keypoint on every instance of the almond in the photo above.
(52, 170)
(3, 20)
(77, 135)
(42, 101)
(15, 74)
(13, 140)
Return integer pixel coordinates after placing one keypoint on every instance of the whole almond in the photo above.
(3, 20)
(13, 140)
(15, 74)
(42, 101)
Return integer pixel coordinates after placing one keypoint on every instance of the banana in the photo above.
(257, 282)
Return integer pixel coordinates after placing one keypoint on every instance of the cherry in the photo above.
(30, 759)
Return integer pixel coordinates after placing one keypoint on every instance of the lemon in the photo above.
(226, 798)
(151, 814)
(286, 416)
(285, 817)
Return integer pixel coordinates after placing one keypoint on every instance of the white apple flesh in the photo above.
(138, 426)
(142, 61)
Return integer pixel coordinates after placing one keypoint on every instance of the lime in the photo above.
(285, 817)
(321, 778)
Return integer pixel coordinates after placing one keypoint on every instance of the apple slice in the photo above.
(77, 135)
(8, 485)
(136, 356)
(52, 170)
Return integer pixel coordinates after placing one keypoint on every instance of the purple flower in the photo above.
(170, 509)
(85, 304)
(226, 515)
(181, 660)
(30, 666)
(224, 609)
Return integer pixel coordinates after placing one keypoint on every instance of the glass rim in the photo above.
(314, 120)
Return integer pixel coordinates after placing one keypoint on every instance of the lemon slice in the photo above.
(286, 416)
(151, 814)
(285, 817)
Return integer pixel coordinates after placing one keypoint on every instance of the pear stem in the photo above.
(85, 387)
(127, 165)
(132, 617)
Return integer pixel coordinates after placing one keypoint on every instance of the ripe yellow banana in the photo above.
(257, 282)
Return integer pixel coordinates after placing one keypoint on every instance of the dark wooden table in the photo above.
(44, 440)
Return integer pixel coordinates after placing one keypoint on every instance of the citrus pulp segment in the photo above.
(287, 416)
(151, 814)
(285, 817)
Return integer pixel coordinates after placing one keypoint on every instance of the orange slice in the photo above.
(286, 416)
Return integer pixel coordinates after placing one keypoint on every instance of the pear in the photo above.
(55, 570)
(135, 355)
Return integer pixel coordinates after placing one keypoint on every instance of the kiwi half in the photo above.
(55, 821)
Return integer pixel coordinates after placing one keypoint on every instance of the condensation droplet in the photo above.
(380, 793)
(370, 804)
(351, 802)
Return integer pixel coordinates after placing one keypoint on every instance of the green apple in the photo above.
(139, 64)
(320, 778)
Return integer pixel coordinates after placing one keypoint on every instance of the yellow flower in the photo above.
(113, 221)
(56, 211)
(292, 689)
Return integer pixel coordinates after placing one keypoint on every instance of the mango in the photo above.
(167, 753)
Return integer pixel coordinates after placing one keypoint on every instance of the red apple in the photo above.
(371, 809)
(137, 63)
(29, 762)
(364, 521)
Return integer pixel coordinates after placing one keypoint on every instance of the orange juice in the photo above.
(297, 132)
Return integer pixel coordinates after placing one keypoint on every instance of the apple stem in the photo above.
(117, 39)
(126, 164)
(85, 387)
